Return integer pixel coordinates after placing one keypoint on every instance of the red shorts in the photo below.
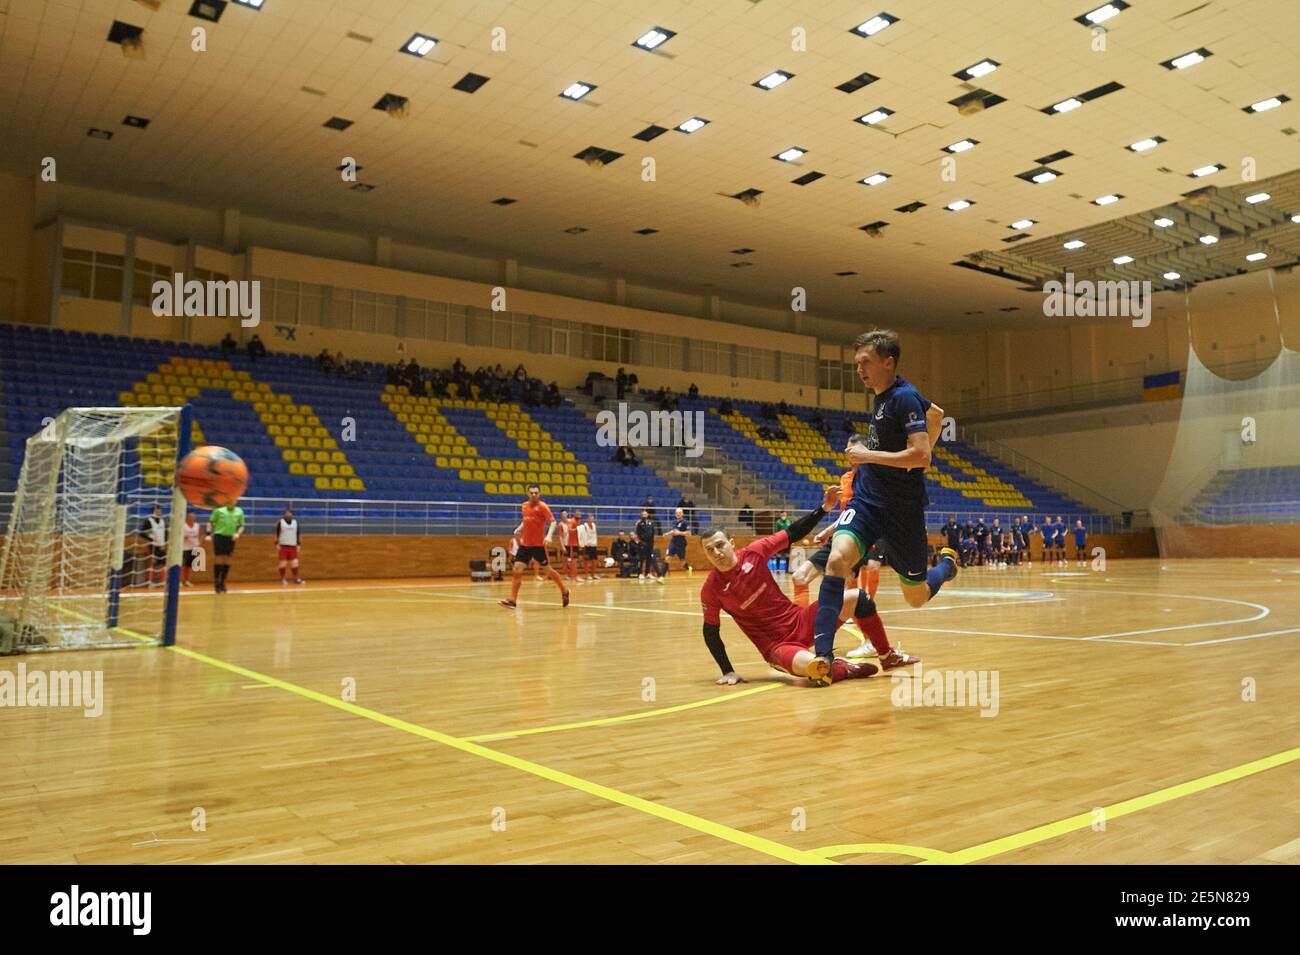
(288, 553)
(781, 655)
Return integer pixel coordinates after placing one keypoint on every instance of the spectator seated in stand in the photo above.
(552, 397)
(228, 345)
(256, 349)
(626, 457)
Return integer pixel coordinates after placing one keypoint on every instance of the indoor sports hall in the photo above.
(414, 418)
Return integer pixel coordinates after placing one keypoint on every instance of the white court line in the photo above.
(1249, 636)
(1263, 612)
(1035, 636)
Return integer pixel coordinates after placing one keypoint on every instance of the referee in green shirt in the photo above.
(224, 526)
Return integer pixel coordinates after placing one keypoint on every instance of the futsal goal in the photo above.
(82, 566)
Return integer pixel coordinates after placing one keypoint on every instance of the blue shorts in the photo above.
(677, 547)
(901, 532)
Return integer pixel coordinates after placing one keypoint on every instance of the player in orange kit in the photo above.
(534, 531)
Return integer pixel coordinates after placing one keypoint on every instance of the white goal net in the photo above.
(85, 562)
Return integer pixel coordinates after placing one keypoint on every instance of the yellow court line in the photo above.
(699, 824)
(605, 721)
(883, 848)
(1085, 820)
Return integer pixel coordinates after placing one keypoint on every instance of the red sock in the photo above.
(874, 630)
(282, 573)
(801, 594)
(185, 571)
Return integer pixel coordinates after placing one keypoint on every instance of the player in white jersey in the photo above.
(192, 541)
(587, 544)
(288, 540)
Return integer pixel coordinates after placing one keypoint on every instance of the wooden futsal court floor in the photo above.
(597, 735)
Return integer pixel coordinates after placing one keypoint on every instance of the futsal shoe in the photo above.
(842, 669)
(818, 671)
(509, 604)
(951, 554)
(896, 658)
(299, 580)
(564, 600)
(864, 652)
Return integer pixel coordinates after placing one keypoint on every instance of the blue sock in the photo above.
(940, 574)
(830, 601)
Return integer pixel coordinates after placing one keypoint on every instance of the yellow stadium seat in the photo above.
(338, 457)
(314, 442)
(331, 469)
(440, 462)
(322, 483)
(281, 441)
(312, 467)
(296, 467)
(338, 483)
(346, 470)
(490, 488)
(354, 484)
(464, 474)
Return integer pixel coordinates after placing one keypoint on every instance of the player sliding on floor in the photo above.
(889, 498)
(534, 533)
(741, 584)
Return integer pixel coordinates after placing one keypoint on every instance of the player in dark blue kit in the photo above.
(1080, 543)
(1060, 529)
(1049, 535)
(681, 530)
(889, 498)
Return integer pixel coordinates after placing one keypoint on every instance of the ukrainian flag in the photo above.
(1161, 387)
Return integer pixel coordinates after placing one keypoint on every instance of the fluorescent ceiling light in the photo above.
(1164, 222)
(576, 91)
(959, 204)
(692, 124)
(1074, 244)
(1022, 224)
(1256, 256)
(876, 116)
(874, 25)
(1122, 259)
(875, 179)
(1258, 197)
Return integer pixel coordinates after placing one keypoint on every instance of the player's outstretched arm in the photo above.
(713, 640)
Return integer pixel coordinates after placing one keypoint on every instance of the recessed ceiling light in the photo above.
(961, 146)
(982, 68)
(1209, 239)
(1205, 170)
(1258, 197)
(1187, 59)
(1172, 275)
(959, 204)
(876, 116)
(208, 9)
(1045, 176)
(419, 44)
(773, 80)
(1106, 200)
(653, 38)
(253, 4)
(1296, 217)
(1102, 13)
(1256, 256)
(790, 155)
(1164, 222)
(139, 122)
(1266, 104)
(875, 179)
(692, 124)
(576, 91)
(1122, 259)
(1065, 105)
(874, 25)
(1142, 145)
(1074, 244)
(94, 133)
(1022, 224)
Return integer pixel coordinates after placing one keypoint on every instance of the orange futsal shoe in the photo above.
(819, 671)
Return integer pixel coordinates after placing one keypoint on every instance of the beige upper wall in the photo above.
(1232, 320)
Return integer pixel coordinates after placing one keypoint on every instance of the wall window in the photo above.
(610, 344)
(142, 279)
(89, 274)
